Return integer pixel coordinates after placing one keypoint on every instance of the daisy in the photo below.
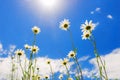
(34, 49)
(38, 77)
(70, 78)
(71, 54)
(19, 52)
(60, 76)
(27, 46)
(65, 61)
(38, 69)
(48, 61)
(46, 76)
(88, 26)
(36, 30)
(86, 35)
(65, 24)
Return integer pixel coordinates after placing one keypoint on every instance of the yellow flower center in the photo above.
(65, 25)
(46, 77)
(19, 54)
(87, 35)
(64, 63)
(88, 27)
(34, 50)
(38, 77)
(72, 55)
(37, 68)
(35, 31)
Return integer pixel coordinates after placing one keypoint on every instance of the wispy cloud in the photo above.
(109, 16)
(84, 58)
(8, 51)
(96, 10)
(1, 47)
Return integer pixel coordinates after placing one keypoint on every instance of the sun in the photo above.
(48, 3)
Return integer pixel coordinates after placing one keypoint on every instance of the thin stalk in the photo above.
(71, 38)
(51, 71)
(21, 67)
(12, 69)
(74, 49)
(79, 68)
(68, 74)
(35, 63)
(31, 57)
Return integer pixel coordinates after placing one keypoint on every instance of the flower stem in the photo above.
(31, 58)
(98, 58)
(21, 67)
(51, 71)
(74, 49)
(68, 74)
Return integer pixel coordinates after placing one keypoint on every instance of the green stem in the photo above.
(79, 68)
(52, 72)
(74, 49)
(68, 74)
(71, 38)
(78, 77)
(35, 63)
(31, 57)
(12, 69)
(21, 67)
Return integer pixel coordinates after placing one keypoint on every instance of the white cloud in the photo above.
(92, 12)
(112, 64)
(109, 16)
(11, 49)
(96, 10)
(8, 51)
(5, 68)
(1, 47)
(97, 23)
(84, 58)
(56, 65)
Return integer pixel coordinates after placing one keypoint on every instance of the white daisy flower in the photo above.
(65, 61)
(88, 26)
(70, 78)
(27, 46)
(19, 52)
(65, 24)
(71, 54)
(60, 76)
(34, 49)
(46, 76)
(86, 35)
(36, 30)
(48, 61)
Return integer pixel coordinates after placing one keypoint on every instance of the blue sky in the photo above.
(17, 17)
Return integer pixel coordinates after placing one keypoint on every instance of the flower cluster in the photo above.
(87, 29)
